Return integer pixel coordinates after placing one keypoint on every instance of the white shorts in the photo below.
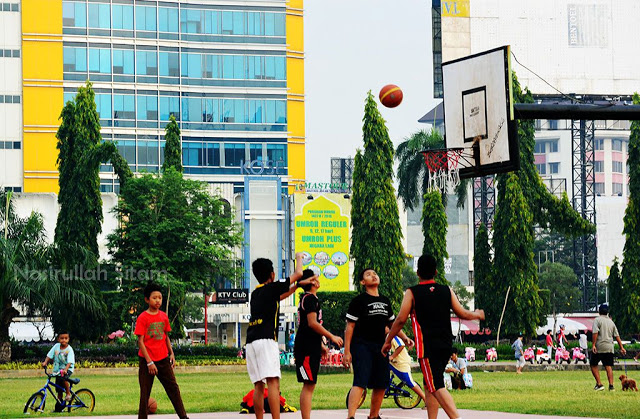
(263, 360)
(520, 362)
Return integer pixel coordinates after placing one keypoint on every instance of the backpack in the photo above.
(247, 403)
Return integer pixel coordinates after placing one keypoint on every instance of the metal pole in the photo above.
(206, 303)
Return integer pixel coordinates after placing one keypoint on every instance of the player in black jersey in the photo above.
(367, 317)
(430, 305)
(263, 354)
(308, 347)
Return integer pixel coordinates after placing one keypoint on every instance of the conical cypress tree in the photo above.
(513, 263)
(631, 253)
(618, 298)
(484, 289)
(377, 238)
(172, 148)
(434, 227)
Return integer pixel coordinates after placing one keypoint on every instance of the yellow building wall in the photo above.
(42, 92)
(295, 94)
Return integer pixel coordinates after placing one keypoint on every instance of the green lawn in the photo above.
(550, 392)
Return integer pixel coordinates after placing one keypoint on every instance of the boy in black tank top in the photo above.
(430, 305)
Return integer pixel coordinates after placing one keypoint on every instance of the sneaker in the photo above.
(598, 387)
(611, 388)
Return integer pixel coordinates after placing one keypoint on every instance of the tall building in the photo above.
(231, 73)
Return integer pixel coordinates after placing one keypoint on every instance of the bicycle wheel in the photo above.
(83, 399)
(405, 397)
(364, 396)
(35, 404)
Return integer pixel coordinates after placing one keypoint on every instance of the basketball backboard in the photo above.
(478, 112)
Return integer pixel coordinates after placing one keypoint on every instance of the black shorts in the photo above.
(370, 367)
(307, 366)
(433, 366)
(607, 359)
(60, 381)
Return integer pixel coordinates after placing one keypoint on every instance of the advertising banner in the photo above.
(322, 233)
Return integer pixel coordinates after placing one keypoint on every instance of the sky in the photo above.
(351, 47)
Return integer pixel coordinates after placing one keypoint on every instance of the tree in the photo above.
(409, 277)
(486, 297)
(172, 148)
(172, 230)
(631, 252)
(513, 262)
(562, 283)
(434, 228)
(30, 273)
(81, 151)
(376, 232)
(618, 297)
(464, 295)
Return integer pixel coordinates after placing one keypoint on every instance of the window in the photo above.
(616, 166)
(168, 20)
(554, 168)
(100, 60)
(211, 67)
(10, 145)
(541, 168)
(192, 109)
(616, 189)
(277, 153)
(192, 153)
(74, 59)
(211, 112)
(598, 166)
(148, 152)
(146, 63)
(616, 144)
(147, 108)
(192, 65)
(124, 107)
(123, 61)
(255, 23)
(122, 17)
(599, 144)
(539, 148)
(146, 18)
(169, 105)
(234, 154)
(169, 64)
(255, 111)
(191, 21)
(9, 99)
(553, 146)
(74, 14)
(103, 105)
(599, 188)
(213, 154)
(99, 16)
(127, 149)
(255, 152)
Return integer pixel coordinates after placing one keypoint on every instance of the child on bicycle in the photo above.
(156, 353)
(64, 360)
(400, 363)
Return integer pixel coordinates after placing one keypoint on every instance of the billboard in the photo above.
(322, 227)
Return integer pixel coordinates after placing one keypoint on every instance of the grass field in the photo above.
(550, 392)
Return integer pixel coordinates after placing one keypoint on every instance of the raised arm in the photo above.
(462, 312)
(297, 274)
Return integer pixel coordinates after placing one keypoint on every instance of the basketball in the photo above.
(390, 96)
(152, 406)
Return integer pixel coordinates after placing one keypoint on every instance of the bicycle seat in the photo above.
(72, 380)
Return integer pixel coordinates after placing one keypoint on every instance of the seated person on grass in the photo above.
(457, 367)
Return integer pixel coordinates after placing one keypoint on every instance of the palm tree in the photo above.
(413, 176)
(27, 276)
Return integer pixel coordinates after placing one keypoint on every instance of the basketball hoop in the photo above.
(443, 168)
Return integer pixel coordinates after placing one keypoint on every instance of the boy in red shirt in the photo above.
(156, 353)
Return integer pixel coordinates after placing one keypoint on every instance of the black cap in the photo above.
(604, 308)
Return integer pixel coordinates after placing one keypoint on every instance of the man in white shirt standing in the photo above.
(604, 331)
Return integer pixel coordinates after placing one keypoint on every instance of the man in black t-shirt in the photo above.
(367, 316)
(263, 354)
(308, 346)
(430, 306)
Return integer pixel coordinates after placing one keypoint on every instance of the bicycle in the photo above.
(81, 399)
(404, 396)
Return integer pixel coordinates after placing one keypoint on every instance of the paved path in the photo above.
(340, 414)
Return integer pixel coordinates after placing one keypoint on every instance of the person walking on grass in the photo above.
(549, 342)
(367, 317)
(519, 354)
(430, 305)
(263, 354)
(308, 347)
(155, 353)
(604, 331)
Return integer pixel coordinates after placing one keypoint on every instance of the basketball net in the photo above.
(442, 165)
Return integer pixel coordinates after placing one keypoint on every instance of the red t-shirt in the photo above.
(153, 328)
(549, 340)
